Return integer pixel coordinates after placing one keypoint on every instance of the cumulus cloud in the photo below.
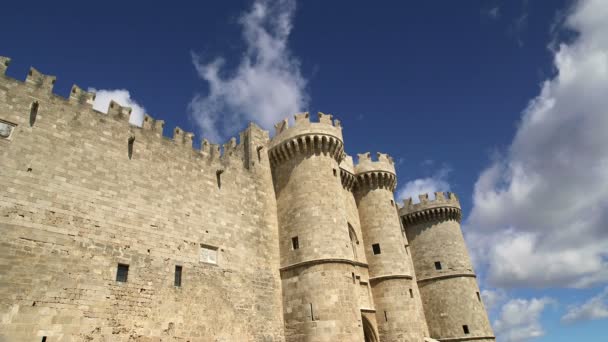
(540, 213)
(519, 319)
(595, 308)
(122, 97)
(493, 298)
(413, 188)
(267, 85)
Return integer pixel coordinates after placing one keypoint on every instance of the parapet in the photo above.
(444, 206)
(252, 140)
(376, 173)
(307, 137)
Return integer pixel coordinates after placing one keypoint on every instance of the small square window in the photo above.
(376, 248)
(208, 254)
(295, 243)
(122, 273)
(465, 328)
(178, 276)
(437, 265)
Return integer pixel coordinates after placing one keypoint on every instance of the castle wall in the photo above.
(450, 294)
(398, 313)
(76, 203)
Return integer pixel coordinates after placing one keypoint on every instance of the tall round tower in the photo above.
(398, 306)
(448, 287)
(320, 302)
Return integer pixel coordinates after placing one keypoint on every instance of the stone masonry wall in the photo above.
(76, 201)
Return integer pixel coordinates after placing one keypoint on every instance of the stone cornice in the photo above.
(323, 261)
(376, 179)
(307, 144)
(432, 214)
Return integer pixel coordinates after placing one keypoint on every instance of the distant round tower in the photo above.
(399, 312)
(447, 283)
(320, 302)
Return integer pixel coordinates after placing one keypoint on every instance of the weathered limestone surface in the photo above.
(273, 236)
(75, 203)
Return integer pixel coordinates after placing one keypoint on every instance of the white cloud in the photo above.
(540, 214)
(413, 188)
(267, 85)
(122, 97)
(492, 299)
(595, 308)
(519, 319)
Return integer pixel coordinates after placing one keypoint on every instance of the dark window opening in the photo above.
(122, 273)
(312, 315)
(130, 147)
(295, 242)
(259, 153)
(392, 203)
(43, 338)
(178, 276)
(354, 280)
(437, 265)
(335, 173)
(465, 328)
(376, 248)
(385, 317)
(478, 296)
(411, 293)
(218, 175)
(33, 113)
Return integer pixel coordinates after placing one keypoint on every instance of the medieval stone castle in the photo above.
(111, 232)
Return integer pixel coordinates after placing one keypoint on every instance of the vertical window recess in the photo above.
(376, 248)
(130, 147)
(478, 296)
(385, 317)
(33, 113)
(178, 276)
(437, 265)
(218, 175)
(411, 293)
(122, 273)
(465, 329)
(312, 314)
(295, 243)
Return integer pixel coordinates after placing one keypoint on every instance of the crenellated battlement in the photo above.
(376, 173)
(41, 86)
(323, 137)
(444, 206)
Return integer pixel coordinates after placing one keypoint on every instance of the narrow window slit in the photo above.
(312, 315)
(385, 317)
(411, 293)
(295, 243)
(178, 276)
(43, 338)
(218, 175)
(465, 328)
(33, 113)
(259, 149)
(478, 296)
(437, 265)
(130, 147)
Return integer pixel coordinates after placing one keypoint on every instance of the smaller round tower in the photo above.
(399, 310)
(448, 286)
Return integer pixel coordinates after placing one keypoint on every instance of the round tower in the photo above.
(399, 312)
(448, 286)
(316, 256)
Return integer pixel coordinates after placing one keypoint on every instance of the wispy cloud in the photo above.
(520, 319)
(539, 214)
(594, 308)
(122, 97)
(266, 86)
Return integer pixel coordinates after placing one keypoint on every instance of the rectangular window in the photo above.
(478, 296)
(385, 317)
(295, 243)
(208, 254)
(43, 338)
(437, 265)
(411, 293)
(312, 313)
(376, 248)
(122, 273)
(178, 276)
(465, 328)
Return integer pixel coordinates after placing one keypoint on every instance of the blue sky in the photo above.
(502, 102)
